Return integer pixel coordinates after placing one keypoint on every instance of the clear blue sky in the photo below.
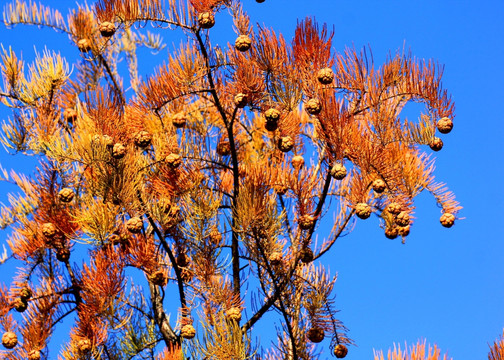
(444, 285)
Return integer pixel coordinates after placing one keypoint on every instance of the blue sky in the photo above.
(444, 285)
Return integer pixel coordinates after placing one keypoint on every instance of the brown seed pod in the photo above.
(297, 162)
(444, 125)
(134, 225)
(107, 29)
(325, 76)
(340, 351)
(118, 151)
(402, 219)
(158, 278)
(234, 314)
(206, 20)
(143, 139)
(272, 116)
(179, 120)
(188, 331)
(66, 195)
(25, 293)
(362, 210)
(84, 346)
(338, 171)
(19, 304)
(9, 340)
(394, 208)
(379, 186)
(34, 355)
(240, 100)
(275, 258)
(49, 230)
(285, 143)
(315, 334)
(403, 230)
(306, 222)
(313, 106)
(436, 144)
(63, 254)
(447, 220)
(243, 43)
(391, 232)
(84, 45)
(215, 237)
(173, 160)
(223, 148)
(70, 115)
(306, 255)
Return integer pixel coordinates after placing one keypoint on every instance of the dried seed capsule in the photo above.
(394, 208)
(179, 120)
(363, 210)
(285, 143)
(340, 351)
(379, 186)
(9, 340)
(272, 116)
(243, 43)
(313, 106)
(306, 222)
(20, 304)
(25, 293)
(49, 230)
(158, 278)
(297, 162)
(325, 76)
(338, 171)
(402, 219)
(234, 314)
(223, 148)
(275, 258)
(143, 139)
(84, 45)
(134, 225)
(403, 230)
(118, 151)
(63, 254)
(306, 256)
(444, 125)
(315, 334)
(206, 20)
(240, 100)
(66, 195)
(70, 115)
(107, 29)
(391, 232)
(34, 355)
(173, 160)
(436, 144)
(447, 220)
(188, 331)
(84, 346)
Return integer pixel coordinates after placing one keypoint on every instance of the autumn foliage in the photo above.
(208, 178)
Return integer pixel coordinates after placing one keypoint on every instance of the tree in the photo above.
(210, 178)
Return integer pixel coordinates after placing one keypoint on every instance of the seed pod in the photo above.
(275, 258)
(188, 331)
(313, 106)
(234, 314)
(297, 162)
(325, 76)
(338, 171)
(394, 208)
(215, 237)
(118, 151)
(158, 278)
(436, 144)
(9, 340)
(49, 230)
(65, 195)
(134, 225)
(447, 220)
(340, 351)
(107, 29)
(306, 255)
(391, 232)
(179, 120)
(243, 43)
(315, 334)
(223, 148)
(70, 115)
(403, 230)
(240, 100)
(306, 222)
(206, 20)
(25, 293)
(143, 139)
(285, 143)
(173, 160)
(272, 116)
(379, 186)
(20, 304)
(402, 219)
(362, 210)
(84, 346)
(63, 254)
(34, 355)
(84, 45)
(444, 125)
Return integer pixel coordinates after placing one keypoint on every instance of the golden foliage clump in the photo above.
(419, 351)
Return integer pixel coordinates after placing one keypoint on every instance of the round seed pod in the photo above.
(306, 255)
(313, 106)
(444, 125)
(403, 230)
(315, 334)
(285, 143)
(107, 29)
(338, 171)
(134, 225)
(379, 186)
(70, 115)
(9, 340)
(223, 148)
(447, 220)
(19, 304)
(215, 236)
(394, 208)
(25, 293)
(436, 144)
(306, 222)
(340, 351)
(66, 195)
(84, 45)
(158, 278)
(179, 120)
(118, 151)
(173, 160)
(34, 355)
(234, 314)
(206, 20)
(84, 346)
(240, 100)
(243, 43)
(275, 258)
(391, 232)
(188, 331)
(143, 139)
(325, 76)
(49, 230)
(297, 162)
(63, 254)
(402, 219)
(362, 210)
(272, 116)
